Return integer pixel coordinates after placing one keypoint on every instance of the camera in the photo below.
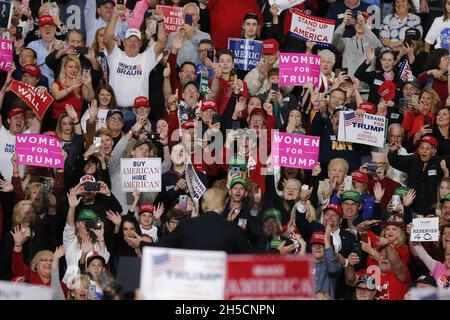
(210, 54)
(427, 121)
(153, 136)
(236, 124)
(18, 34)
(355, 14)
(131, 4)
(92, 186)
(188, 19)
(93, 224)
(215, 119)
(81, 50)
(182, 202)
(275, 87)
(235, 171)
(97, 142)
(402, 103)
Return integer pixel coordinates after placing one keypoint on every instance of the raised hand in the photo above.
(409, 198)
(370, 54)
(6, 186)
(159, 211)
(167, 71)
(178, 41)
(72, 198)
(93, 109)
(233, 214)
(59, 253)
(283, 249)
(71, 113)
(19, 235)
(378, 192)
(114, 217)
(172, 101)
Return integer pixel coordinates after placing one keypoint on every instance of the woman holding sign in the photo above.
(439, 270)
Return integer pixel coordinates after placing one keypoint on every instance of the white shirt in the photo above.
(7, 148)
(101, 119)
(337, 242)
(439, 29)
(129, 77)
(152, 232)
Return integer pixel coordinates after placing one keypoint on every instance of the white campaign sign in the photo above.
(22, 291)
(285, 4)
(175, 274)
(425, 230)
(364, 129)
(143, 174)
(195, 185)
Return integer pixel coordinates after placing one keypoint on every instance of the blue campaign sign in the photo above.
(445, 34)
(247, 52)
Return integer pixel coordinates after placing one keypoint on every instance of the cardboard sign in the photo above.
(295, 151)
(143, 174)
(285, 4)
(37, 101)
(310, 28)
(174, 274)
(173, 17)
(425, 230)
(39, 150)
(6, 54)
(297, 69)
(247, 52)
(21, 291)
(6, 12)
(269, 277)
(195, 185)
(365, 129)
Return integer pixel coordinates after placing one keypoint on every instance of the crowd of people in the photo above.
(124, 88)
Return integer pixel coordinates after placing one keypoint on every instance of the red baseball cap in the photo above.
(335, 207)
(209, 104)
(141, 102)
(32, 69)
(270, 46)
(318, 237)
(15, 111)
(360, 176)
(146, 207)
(43, 20)
(87, 178)
(387, 90)
(368, 107)
(188, 124)
(431, 140)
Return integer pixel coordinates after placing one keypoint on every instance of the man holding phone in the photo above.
(191, 35)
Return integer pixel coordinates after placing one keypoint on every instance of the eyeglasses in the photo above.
(174, 221)
(115, 119)
(361, 289)
(396, 137)
(379, 163)
(189, 72)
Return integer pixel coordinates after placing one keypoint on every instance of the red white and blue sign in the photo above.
(247, 53)
(310, 28)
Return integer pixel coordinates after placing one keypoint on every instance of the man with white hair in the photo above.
(191, 35)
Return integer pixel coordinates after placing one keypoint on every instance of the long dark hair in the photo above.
(434, 58)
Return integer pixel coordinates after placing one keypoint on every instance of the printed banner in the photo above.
(247, 52)
(175, 274)
(269, 277)
(297, 69)
(39, 150)
(425, 230)
(173, 17)
(143, 174)
(36, 100)
(310, 28)
(6, 54)
(195, 185)
(365, 129)
(285, 4)
(295, 151)
(22, 291)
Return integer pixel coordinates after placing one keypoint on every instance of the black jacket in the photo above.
(210, 231)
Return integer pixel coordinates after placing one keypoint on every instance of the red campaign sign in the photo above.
(6, 54)
(37, 101)
(173, 18)
(265, 277)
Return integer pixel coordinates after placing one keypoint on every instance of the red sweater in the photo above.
(389, 187)
(228, 16)
(441, 87)
(224, 94)
(412, 122)
(20, 269)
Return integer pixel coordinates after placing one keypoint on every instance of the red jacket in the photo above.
(224, 94)
(412, 122)
(20, 269)
(228, 16)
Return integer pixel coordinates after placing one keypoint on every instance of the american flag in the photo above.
(163, 262)
(350, 118)
(405, 70)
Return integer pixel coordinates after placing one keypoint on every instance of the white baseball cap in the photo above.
(133, 32)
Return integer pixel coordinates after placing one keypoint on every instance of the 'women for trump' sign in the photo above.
(39, 150)
(295, 151)
(297, 69)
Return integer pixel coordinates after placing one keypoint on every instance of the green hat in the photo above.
(188, 82)
(446, 197)
(272, 213)
(238, 180)
(238, 161)
(275, 243)
(351, 195)
(87, 214)
(401, 191)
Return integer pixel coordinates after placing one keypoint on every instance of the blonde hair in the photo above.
(435, 100)
(401, 237)
(95, 44)
(191, 4)
(46, 6)
(17, 211)
(37, 186)
(37, 258)
(62, 73)
(58, 124)
(213, 199)
(76, 282)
